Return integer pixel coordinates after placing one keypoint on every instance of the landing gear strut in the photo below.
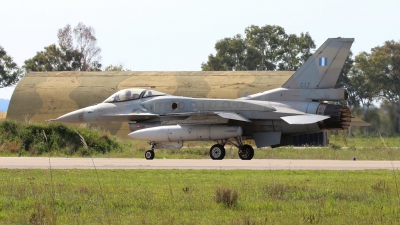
(149, 155)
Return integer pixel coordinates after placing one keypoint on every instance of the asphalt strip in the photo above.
(194, 164)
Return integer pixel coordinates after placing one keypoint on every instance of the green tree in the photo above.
(376, 76)
(82, 40)
(119, 67)
(296, 51)
(54, 58)
(268, 40)
(368, 76)
(230, 55)
(344, 82)
(390, 119)
(76, 51)
(10, 73)
(263, 48)
(387, 60)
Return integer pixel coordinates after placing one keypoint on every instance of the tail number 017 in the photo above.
(305, 85)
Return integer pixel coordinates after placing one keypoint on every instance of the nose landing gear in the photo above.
(149, 155)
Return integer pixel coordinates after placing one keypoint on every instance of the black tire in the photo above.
(217, 152)
(149, 155)
(246, 153)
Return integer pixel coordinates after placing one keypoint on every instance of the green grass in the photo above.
(190, 197)
(55, 139)
(361, 148)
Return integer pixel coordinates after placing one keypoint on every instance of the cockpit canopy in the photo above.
(132, 94)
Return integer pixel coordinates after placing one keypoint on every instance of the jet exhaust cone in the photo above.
(340, 117)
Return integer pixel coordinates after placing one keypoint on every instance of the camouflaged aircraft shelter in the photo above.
(41, 96)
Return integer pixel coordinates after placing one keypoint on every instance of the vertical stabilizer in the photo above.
(322, 69)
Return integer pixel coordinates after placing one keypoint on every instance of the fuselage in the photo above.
(265, 116)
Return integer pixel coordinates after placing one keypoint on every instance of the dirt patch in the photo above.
(3, 116)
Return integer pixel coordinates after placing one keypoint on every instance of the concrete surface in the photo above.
(196, 164)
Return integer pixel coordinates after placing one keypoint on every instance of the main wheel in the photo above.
(149, 155)
(217, 152)
(246, 152)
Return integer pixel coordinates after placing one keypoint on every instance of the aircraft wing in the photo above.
(304, 119)
(147, 116)
(131, 116)
(225, 115)
(232, 116)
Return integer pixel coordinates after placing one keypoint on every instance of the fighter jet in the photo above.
(270, 118)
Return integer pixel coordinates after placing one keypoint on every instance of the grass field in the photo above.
(55, 139)
(191, 197)
(197, 197)
(361, 148)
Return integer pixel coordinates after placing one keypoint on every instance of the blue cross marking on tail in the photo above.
(323, 61)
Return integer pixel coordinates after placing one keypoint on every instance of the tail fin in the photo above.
(322, 69)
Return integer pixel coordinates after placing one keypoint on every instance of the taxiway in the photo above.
(195, 164)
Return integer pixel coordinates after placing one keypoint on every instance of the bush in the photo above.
(39, 138)
(226, 196)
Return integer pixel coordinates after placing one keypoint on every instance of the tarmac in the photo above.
(192, 164)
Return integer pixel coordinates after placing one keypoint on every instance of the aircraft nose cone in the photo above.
(72, 117)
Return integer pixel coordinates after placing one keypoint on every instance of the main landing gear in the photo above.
(217, 151)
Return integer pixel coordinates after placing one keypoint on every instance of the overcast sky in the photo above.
(178, 35)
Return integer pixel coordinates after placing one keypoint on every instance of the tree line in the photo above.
(76, 50)
(262, 48)
(368, 77)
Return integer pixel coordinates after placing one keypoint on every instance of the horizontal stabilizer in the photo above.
(232, 116)
(359, 122)
(304, 119)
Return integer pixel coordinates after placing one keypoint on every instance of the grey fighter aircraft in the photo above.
(270, 118)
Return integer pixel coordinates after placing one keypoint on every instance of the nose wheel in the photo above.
(149, 155)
